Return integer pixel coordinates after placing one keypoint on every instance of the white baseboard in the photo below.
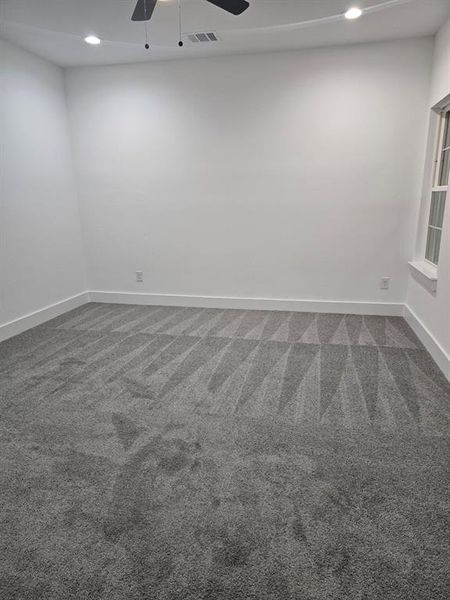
(38, 317)
(439, 355)
(394, 309)
(357, 308)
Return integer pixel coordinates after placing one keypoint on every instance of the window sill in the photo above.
(425, 273)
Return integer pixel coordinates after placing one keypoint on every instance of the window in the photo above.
(439, 189)
(435, 227)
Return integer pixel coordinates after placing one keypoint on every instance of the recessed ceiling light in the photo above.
(353, 13)
(92, 39)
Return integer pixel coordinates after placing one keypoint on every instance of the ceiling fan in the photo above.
(144, 8)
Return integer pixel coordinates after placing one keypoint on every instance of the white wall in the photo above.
(41, 258)
(288, 175)
(440, 82)
(433, 310)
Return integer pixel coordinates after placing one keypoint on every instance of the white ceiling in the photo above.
(55, 29)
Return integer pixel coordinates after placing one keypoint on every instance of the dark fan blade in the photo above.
(235, 7)
(144, 10)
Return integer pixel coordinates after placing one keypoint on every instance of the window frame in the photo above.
(443, 114)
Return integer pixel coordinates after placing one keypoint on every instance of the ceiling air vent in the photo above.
(203, 37)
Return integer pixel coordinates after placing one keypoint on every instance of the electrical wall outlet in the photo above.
(385, 283)
(140, 276)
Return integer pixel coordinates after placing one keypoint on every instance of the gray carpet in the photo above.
(165, 454)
